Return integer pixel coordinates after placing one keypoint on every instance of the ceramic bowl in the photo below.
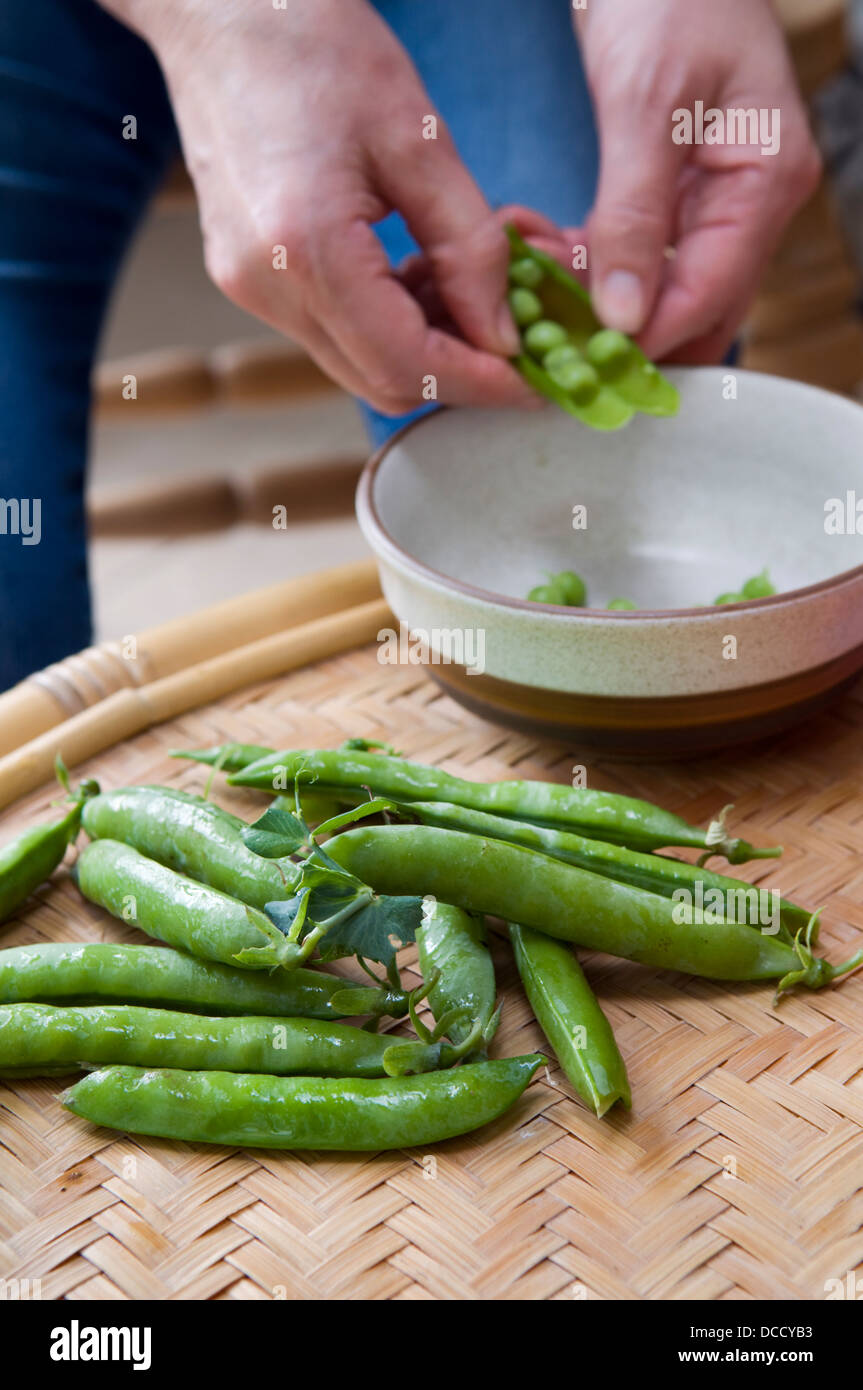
(466, 510)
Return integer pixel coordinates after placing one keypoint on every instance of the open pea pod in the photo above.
(597, 374)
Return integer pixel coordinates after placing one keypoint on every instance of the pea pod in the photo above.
(193, 837)
(570, 1017)
(31, 858)
(454, 957)
(508, 881)
(176, 909)
(38, 1039)
(299, 1112)
(228, 757)
(610, 378)
(653, 872)
(622, 820)
(93, 972)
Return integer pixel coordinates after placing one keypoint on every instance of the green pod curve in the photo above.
(93, 972)
(271, 1112)
(653, 872)
(569, 1015)
(508, 881)
(451, 944)
(31, 858)
(42, 1039)
(193, 837)
(623, 820)
(172, 908)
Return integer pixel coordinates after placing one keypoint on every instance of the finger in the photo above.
(382, 330)
(631, 219)
(450, 219)
(730, 225)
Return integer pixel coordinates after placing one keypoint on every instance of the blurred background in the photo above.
(230, 421)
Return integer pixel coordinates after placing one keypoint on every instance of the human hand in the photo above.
(302, 127)
(722, 207)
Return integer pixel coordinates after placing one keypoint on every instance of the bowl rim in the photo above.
(367, 510)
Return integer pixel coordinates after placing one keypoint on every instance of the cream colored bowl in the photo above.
(467, 510)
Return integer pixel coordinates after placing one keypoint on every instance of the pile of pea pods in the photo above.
(232, 1030)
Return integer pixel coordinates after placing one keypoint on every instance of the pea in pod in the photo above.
(300, 1112)
(734, 899)
(455, 960)
(572, 904)
(172, 908)
(621, 820)
(31, 858)
(192, 836)
(40, 1039)
(570, 1017)
(595, 373)
(99, 972)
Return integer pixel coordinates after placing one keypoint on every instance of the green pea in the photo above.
(524, 306)
(759, 586)
(621, 605)
(572, 586)
(526, 272)
(540, 337)
(728, 598)
(547, 593)
(577, 378)
(608, 348)
(559, 356)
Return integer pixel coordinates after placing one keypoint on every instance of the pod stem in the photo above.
(814, 972)
(736, 851)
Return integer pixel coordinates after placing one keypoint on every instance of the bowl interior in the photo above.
(677, 511)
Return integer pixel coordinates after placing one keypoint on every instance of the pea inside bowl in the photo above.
(468, 510)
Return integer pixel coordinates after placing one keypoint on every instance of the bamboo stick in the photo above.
(49, 697)
(132, 711)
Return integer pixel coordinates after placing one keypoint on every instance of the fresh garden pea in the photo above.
(102, 972)
(608, 348)
(572, 904)
(193, 837)
(525, 272)
(547, 593)
(621, 605)
(570, 1017)
(572, 586)
(560, 356)
(542, 336)
(524, 307)
(577, 378)
(41, 1039)
(759, 586)
(629, 382)
(301, 1112)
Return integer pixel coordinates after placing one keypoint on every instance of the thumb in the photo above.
(633, 214)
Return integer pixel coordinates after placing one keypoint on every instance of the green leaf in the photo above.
(276, 834)
(377, 930)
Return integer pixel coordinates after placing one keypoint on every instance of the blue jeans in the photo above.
(505, 75)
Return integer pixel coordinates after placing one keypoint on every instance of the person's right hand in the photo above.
(301, 127)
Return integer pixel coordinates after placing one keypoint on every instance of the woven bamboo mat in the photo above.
(737, 1174)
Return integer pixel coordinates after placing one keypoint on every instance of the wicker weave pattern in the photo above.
(737, 1175)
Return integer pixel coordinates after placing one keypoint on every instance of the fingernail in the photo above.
(621, 301)
(507, 331)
